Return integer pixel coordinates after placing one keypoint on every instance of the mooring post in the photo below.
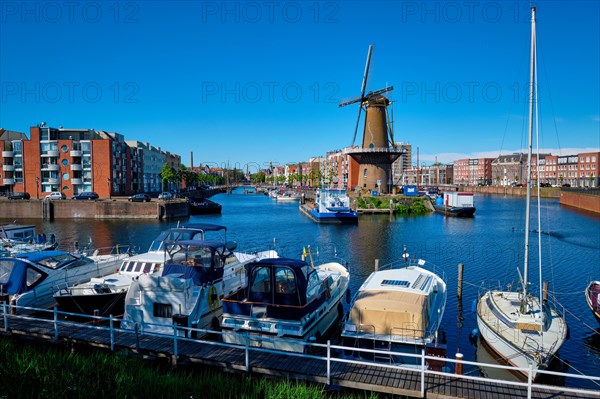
(376, 264)
(459, 365)
(96, 314)
(422, 372)
(460, 281)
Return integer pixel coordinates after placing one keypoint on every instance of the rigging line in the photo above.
(592, 329)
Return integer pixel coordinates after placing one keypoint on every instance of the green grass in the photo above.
(30, 370)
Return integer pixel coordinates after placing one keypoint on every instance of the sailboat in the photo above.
(523, 329)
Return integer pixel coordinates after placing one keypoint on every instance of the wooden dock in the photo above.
(332, 370)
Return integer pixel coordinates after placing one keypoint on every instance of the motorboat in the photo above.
(331, 206)
(188, 292)
(522, 328)
(287, 299)
(288, 196)
(18, 238)
(203, 206)
(104, 296)
(398, 309)
(29, 279)
(592, 296)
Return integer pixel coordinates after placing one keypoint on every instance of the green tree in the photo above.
(167, 175)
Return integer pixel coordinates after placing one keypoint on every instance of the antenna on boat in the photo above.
(405, 255)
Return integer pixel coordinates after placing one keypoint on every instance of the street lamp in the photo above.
(108, 184)
(37, 187)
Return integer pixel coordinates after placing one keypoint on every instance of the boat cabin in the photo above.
(189, 232)
(279, 288)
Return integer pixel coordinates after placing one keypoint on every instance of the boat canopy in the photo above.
(205, 226)
(391, 312)
(18, 276)
(203, 262)
(280, 281)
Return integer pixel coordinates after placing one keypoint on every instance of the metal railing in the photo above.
(331, 356)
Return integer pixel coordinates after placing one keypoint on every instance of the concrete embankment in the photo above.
(101, 209)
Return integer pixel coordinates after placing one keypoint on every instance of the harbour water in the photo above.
(490, 245)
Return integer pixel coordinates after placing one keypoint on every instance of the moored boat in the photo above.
(520, 327)
(455, 203)
(30, 279)
(288, 196)
(331, 206)
(188, 292)
(203, 206)
(285, 299)
(592, 296)
(106, 295)
(398, 309)
(16, 238)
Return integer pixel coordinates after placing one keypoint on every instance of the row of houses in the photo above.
(338, 169)
(78, 160)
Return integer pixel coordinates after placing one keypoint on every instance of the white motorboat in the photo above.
(105, 296)
(285, 299)
(525, 330)
(29, 279)
(188, 292)
(398, 309)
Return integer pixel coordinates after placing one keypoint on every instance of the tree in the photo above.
(167, 174)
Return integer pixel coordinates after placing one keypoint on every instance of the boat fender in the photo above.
(213, 297)
(348, 296)
(474, 306)
(473, 336)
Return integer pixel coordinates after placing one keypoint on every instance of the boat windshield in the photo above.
(58, 261)
(175, 235)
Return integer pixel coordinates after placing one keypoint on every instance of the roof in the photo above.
(200, 243)
(205, 226)
(293, 263)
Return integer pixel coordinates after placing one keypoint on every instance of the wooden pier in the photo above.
(326, 367)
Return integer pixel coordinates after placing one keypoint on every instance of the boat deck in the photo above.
(347, 374)
(500, 311)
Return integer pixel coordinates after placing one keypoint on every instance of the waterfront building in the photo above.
(77, 160)
(11, 161)
(568, 167)
(402, 164)
(473, 171)
(588, 165)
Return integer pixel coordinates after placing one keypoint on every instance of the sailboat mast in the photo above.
(529, 153)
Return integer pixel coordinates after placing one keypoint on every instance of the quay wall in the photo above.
(102, 209)
(588, 201)
(545, 192)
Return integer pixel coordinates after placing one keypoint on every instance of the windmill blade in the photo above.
(390, 123)
(374, 93)
(349, 101)
(362, 90)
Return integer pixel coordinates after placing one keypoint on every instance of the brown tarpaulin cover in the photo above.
(391, 312)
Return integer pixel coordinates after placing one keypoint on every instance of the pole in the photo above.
(460, 281)
(376, 264)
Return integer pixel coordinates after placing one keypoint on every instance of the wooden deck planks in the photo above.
(371, 377)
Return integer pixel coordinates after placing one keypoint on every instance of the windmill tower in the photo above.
(376, 155)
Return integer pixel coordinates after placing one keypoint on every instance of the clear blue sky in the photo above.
(254, 82)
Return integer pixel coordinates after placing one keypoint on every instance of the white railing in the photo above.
(12, 311)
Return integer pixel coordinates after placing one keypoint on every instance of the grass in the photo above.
(31, 370)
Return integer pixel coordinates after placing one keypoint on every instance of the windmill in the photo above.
(375, 156)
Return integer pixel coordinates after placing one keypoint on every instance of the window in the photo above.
(64, 148)
(65, 176)
(262, 280)
(65, 162)
(285, 281)
(32, 276)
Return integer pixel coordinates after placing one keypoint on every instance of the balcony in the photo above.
(8, 182)
(76, 153)
(76, 181)
(7, 154)
(76, 166)
(50, 153)
(8, 168)
(50, 167)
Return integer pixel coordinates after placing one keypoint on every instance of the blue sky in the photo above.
(248, 83)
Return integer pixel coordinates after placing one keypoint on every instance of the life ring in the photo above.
(212, 297)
